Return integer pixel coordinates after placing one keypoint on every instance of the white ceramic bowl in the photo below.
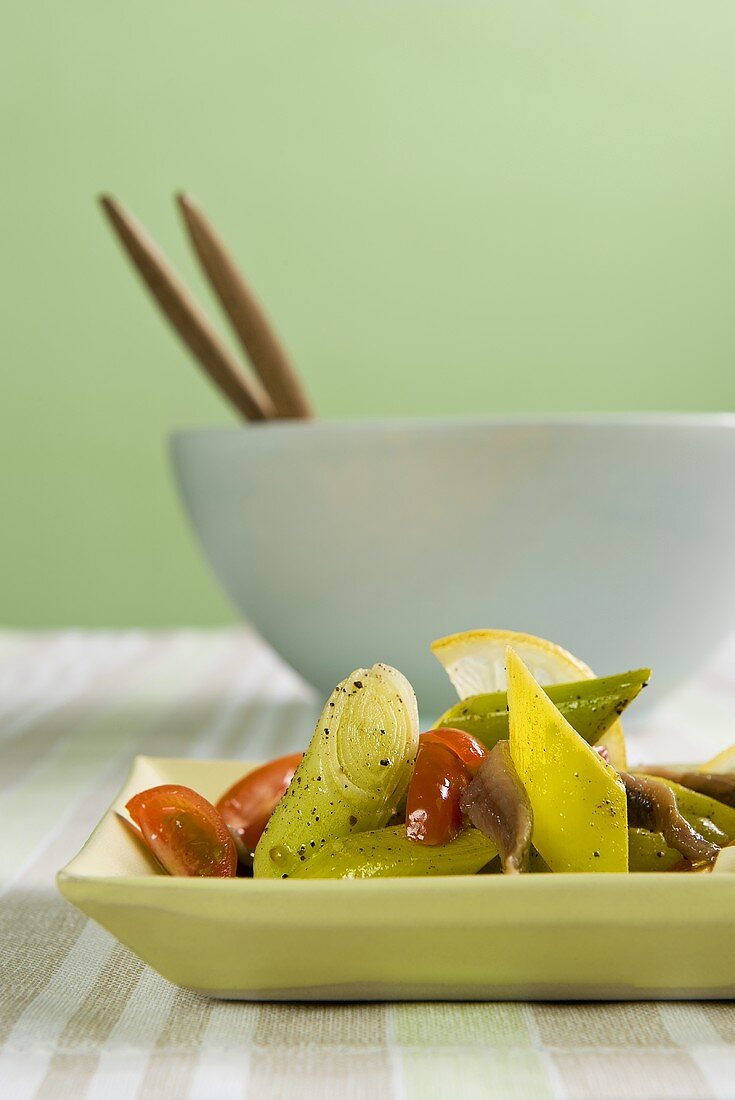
(348, 543)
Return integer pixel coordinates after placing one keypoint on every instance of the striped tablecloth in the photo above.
(81, 1017)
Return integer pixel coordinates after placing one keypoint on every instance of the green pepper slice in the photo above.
(388, 853)
(590, 707)
(650, 852)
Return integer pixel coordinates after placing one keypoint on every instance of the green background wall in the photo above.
(448, 206)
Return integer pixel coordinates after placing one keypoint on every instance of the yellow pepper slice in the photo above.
(579, 803)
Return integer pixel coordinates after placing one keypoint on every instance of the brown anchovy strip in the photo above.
(497, 804)
(721, 787)
(652, 806)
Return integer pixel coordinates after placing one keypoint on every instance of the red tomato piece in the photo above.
(249, 803)
(184, 832)
(433, 814)
(469, 750)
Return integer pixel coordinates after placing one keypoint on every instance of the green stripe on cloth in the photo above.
(475, 1073)
(444, 1024)
(488, 1047)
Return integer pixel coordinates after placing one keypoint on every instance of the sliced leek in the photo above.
(354, 773)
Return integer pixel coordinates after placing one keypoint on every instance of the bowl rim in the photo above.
(428, 425)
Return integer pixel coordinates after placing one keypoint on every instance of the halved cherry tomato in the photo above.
(184, 831)
(249, 803)
(433, 814)
(469, 750)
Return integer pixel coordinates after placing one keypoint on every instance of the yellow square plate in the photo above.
(488, 937)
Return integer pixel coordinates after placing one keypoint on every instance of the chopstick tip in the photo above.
(185, 200)
(114, 209)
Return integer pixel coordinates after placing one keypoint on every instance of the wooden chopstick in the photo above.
(186, 315)
(258, 339)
